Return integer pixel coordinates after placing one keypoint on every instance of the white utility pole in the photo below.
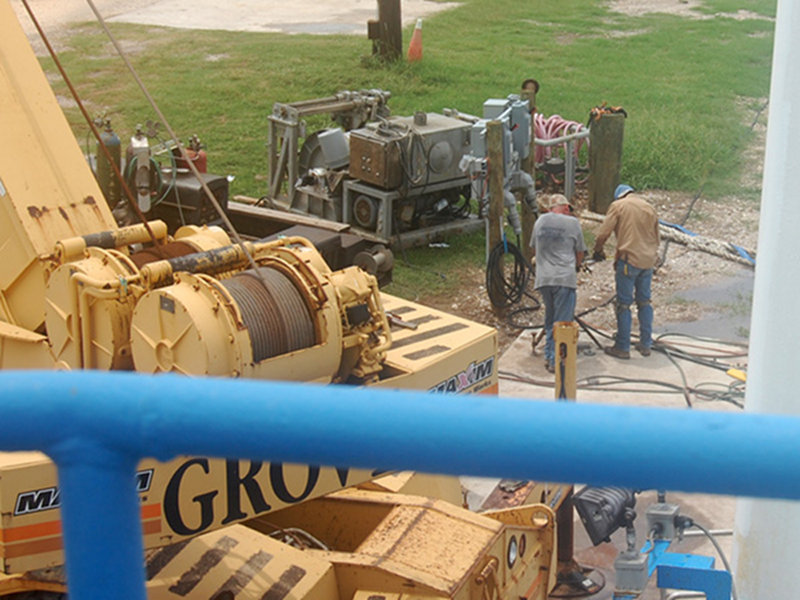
(767, 532)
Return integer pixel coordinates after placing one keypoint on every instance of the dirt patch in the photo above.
(681, 8)
(637, 8)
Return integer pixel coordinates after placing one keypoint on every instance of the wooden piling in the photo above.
(605, 160)
(494, 142)
(387, 32)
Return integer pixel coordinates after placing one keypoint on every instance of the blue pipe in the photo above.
(97, 425)
(101, 524)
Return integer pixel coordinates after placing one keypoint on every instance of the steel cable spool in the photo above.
(274, 312)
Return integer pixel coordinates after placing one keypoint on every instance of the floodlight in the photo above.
(603, 510)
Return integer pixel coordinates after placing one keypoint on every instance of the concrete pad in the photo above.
(300, 16)
(523, 375)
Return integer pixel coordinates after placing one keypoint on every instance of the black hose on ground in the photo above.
(506, 291)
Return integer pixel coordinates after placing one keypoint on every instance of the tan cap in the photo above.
(558, 200)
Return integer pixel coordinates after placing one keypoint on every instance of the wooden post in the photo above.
(494, 142)
(605, 160)
(387, 32)
(529, 166)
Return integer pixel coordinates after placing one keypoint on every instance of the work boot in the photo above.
(616, 352)
(643, 350)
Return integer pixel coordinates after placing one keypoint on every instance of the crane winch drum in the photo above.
(292, 318)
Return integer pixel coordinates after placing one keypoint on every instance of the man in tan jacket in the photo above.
(635, 225)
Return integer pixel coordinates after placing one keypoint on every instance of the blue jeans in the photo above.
(633, 284)
(559, 305)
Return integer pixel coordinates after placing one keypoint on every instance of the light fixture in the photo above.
(603, 510)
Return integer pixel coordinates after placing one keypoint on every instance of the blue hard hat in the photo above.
(621, 190)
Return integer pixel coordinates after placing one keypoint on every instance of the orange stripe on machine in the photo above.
(53, 528)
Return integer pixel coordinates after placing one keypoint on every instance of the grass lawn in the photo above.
(691, 87)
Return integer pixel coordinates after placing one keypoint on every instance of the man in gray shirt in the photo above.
(559, 247)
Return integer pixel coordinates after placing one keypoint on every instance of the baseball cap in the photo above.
(558, 200)
(623, 189)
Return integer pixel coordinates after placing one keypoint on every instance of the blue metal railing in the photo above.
(96, 427)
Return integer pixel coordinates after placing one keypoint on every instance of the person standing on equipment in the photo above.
(559, 248)
(635, 224)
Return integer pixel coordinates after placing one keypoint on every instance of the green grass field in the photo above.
(691, 87)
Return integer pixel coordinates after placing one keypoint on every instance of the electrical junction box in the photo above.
(375, 155)
(417, 151)
(515, 115)
(480, 144)
(631, 572)
(494, 107)
(661, 517)
(521, 127)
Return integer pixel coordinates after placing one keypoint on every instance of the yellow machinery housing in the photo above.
(79, 292)
(367, 545)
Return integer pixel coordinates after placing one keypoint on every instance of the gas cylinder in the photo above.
(109, 184)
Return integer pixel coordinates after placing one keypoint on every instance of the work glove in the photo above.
(598, 256)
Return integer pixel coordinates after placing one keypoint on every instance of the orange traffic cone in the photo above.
(415, 46)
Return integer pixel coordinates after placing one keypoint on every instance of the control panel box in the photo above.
(413, 151)
(375, 156)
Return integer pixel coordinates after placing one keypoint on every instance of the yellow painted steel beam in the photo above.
(47, 190)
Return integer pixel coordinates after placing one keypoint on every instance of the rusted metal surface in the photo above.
(48, 191)
(508, 496)
(125, 236)
(510, 493)
(170, 250)
(90, 122)
(210, 262)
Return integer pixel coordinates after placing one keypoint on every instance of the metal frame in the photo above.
(685, 572)
(570, 162)
(283, 164)
(384, 227)
(690, 572)
(286, 124)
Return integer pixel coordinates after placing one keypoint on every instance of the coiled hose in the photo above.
(508, 291)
